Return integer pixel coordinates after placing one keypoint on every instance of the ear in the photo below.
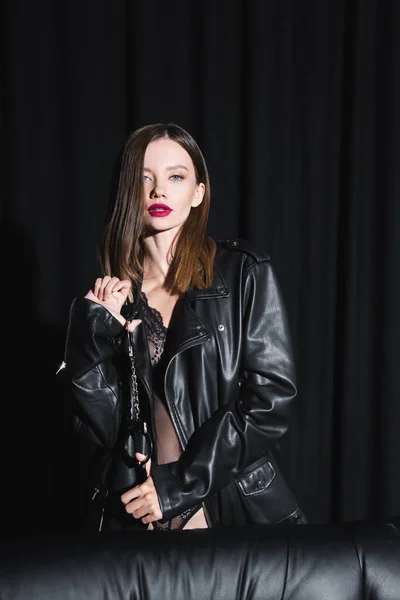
(199, 194)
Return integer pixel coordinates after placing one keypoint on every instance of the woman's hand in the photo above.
(112, 293)
(142, 501)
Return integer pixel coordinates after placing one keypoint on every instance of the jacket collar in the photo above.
(218, 288)
(193, 330)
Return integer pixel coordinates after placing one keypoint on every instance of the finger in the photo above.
(122, 286)
(151, 511)
(131, 325)
(148, 508)
(140, 457)
(131, 494)
(97, 286)
(109, 287)
(103, 284)
(154, 516)
(137, 508)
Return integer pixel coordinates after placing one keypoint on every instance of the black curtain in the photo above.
(296, 107)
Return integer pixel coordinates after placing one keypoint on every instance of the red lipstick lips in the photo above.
(159, 210)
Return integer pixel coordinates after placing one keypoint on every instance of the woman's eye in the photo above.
(176, 177)
(146, 178)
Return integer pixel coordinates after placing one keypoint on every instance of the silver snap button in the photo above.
(221, 327)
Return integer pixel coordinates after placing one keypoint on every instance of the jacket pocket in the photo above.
(258, 480)
(266, 496)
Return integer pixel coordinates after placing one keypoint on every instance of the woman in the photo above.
(212, 351)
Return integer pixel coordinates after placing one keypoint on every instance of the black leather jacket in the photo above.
(229, 385)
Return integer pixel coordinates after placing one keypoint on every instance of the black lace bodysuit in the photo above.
(168, 447)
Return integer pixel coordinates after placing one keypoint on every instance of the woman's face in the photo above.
(170, 189)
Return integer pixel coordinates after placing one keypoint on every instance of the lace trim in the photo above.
(155, 330)
(178, 522)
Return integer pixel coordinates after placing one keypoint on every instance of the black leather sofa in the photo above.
(359, 560)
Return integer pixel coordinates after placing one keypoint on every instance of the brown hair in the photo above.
(194, 249)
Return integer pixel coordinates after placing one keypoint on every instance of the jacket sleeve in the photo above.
(251, 422)
(92, 371)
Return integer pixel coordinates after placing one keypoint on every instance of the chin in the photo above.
(154, 228)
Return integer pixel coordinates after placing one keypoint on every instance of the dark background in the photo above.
(295, 105)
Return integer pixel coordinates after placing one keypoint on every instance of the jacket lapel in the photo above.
(185, 331)
(188, 329)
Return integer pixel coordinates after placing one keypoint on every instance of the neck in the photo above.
(157, 255)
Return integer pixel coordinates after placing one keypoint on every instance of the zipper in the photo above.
(174, 415)
(102, 512)
(61, 367)
(64, 363)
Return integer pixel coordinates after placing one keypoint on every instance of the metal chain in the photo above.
(134, 387)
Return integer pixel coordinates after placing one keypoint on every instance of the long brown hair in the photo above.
(193, 250)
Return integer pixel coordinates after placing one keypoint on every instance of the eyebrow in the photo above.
(171, 168)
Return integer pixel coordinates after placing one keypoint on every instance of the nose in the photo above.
(157, 191)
